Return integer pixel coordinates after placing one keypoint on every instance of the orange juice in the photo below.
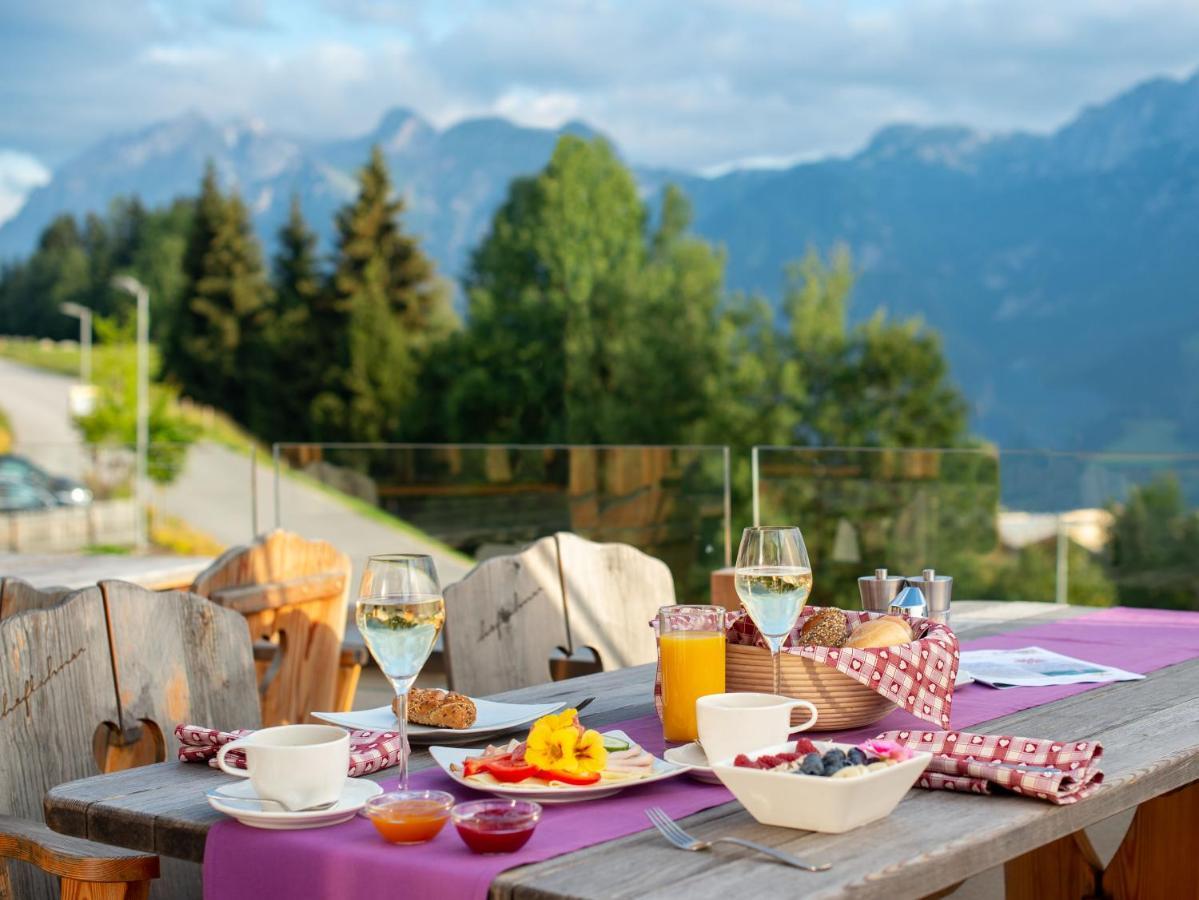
(692, 667)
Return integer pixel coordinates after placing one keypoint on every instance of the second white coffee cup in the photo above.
(297, 766)
(729, 724)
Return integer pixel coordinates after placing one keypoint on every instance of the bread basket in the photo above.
(840, 701)
(917, 676)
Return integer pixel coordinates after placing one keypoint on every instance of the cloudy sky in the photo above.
(690, 83)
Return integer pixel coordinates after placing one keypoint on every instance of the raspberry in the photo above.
(804, 746)
(788, 757)
(768, 762)
(744, 761)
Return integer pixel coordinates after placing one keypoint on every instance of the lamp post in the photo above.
(84, 315)
(138, 290)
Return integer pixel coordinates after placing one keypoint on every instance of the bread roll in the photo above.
(885, 632)
(440, 709)
(827, 628)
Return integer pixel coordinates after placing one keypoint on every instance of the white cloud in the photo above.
(20, 173)
(696, 84)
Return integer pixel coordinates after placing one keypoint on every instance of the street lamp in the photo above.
(138, 290)
(84, 315)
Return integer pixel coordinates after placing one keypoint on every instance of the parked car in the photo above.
(21, 496)
(62, 491)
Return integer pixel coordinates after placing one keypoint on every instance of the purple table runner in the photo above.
(351, 861)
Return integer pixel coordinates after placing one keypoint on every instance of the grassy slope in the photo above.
(63, 358)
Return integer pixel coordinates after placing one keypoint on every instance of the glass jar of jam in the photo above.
(409, 817)
(496, 826)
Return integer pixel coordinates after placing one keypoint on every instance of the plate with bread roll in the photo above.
(444, 717)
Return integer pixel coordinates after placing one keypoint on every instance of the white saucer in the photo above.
(240, 801)
(693, 757)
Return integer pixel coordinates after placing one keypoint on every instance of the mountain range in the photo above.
(1062, 269)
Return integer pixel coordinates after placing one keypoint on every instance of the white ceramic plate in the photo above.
(693, 757)
(240, 801)
(491, 718)
(445, 756)
(963, 677)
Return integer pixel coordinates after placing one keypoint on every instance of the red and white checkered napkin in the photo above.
(917, 677)
(370, 751)
(1058, 771)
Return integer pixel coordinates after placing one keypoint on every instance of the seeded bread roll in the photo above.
(439, 709)
(828, 628)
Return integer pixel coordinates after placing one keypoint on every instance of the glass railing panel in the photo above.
(1084, 528)
(465, 503)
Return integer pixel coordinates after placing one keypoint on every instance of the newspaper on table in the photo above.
(1037, 667)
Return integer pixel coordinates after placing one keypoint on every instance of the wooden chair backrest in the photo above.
(56, 690)
(612, 593)
(293, 593)
(504, 619)
(510, 613)
(17, 596)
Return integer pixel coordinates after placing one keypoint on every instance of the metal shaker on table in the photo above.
(937, 590)
(879, 590)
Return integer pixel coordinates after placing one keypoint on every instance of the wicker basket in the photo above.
(840, 701)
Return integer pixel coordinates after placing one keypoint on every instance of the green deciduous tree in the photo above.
(583, 327)
(217, 346)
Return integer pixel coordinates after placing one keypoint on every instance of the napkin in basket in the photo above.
(1058, 771)
(917, 677)
(370, 751)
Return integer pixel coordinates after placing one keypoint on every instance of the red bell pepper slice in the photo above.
(578, 778)
(509, 771)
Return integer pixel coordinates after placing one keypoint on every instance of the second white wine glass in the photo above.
(773, 578)
(400, 612)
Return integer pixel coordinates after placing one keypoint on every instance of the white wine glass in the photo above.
(773, 578)
(400, 612)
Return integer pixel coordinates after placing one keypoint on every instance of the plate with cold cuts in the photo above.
(491, 718)
(452, 761)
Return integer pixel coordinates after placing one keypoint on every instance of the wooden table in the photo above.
(933, 840)
(157, 573)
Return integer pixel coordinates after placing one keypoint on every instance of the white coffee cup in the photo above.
(742, 722)
(297, 766)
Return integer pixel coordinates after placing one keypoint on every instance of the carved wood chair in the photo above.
(106, 674)
(563, 593)
(293, 594)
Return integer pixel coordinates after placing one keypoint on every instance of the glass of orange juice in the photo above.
(691, 650)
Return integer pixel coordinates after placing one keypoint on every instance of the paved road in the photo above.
(213, 493)
(36, 404)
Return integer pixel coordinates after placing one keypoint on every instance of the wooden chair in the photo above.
(292, 593)
(104, 673)
(504, 620)
(17, 596)
(563, 593)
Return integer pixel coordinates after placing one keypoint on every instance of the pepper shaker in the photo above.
(937, 590)
(878, 591)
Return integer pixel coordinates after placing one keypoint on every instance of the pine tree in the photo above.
(295, 345)
(217, 342)
(383, 310)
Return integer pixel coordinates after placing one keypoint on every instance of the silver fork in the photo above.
(671, 830)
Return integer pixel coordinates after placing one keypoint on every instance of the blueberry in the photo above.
(812, 765)
(836, 757)
(856, 757)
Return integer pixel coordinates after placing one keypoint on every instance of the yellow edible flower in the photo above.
(555, 744)
(590, 752)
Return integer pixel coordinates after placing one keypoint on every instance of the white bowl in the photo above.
(814, 802)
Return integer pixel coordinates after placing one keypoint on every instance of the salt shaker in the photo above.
(878, 591)
(937, 590)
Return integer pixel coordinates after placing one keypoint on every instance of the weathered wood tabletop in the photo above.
(933, 840)
(73, 571)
